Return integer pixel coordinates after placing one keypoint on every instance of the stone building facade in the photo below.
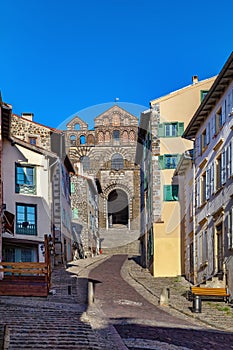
(59, 167)
(107, 154)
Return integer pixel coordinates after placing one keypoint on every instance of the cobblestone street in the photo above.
(125, 314)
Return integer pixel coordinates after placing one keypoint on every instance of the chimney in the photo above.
(195, 79)
(28, 116)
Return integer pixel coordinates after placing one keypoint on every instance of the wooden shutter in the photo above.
(161, 130)
(223, 167)
(180, 129)
(161, 162)
(167, 193)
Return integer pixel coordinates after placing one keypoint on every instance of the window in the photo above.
(203, 188)
(32, 140)
(229, 160)
(169, 161)
(221, 170)
(230, 229)
(77, 126)
(203, 94)
(73, 140)
(117, 161)
(26, 219)
(219, 119)
(170, 192)
(75, 213)
(85, 161)
(25, 179)
(204, 247)
(170, 129)
(72, 188)
(116, 135)
(82, 140)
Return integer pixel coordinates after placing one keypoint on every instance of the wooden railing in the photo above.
(25, 278)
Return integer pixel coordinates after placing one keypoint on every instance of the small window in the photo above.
(203, 94)
(75, 213)
(117, 161)
(116, 135)
(33, 140)
(73, 139)
(82, 140)
(169, 161)
(25, 179)
(173, 129)
(171, 192)
(26, 219)
(77, 126)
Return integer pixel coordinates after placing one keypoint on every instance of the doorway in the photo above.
(118, 208)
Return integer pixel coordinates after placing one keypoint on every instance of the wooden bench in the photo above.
(211, 292)
(198, 292)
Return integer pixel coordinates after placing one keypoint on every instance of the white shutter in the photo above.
(208, 133)
(212, 187)
(223, 167)
(208, 181)
(230, 229)
(223, 112)
(229, 160)
(198, 192)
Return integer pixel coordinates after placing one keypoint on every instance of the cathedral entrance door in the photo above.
(118, 208)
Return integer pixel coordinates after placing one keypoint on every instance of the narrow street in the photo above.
(143, 325)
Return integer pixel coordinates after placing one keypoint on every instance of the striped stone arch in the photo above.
(114, 186)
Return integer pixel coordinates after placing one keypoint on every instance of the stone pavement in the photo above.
(217, 314)
(63, 320)
(143, 325)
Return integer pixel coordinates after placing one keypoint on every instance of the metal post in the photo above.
(197, 304)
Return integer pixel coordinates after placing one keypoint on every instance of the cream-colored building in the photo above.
(161, 144)
(211, 127)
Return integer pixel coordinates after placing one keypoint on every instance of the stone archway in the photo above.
(117, 208)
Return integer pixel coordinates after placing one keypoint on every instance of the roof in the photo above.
(115, 107)
(31, 121)
(218, 88)
(180, 91)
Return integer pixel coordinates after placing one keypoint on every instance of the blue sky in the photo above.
(60, 57)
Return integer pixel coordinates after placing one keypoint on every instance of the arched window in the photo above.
(73, 139)
(125, 136)
(100, 137)
(107, 136)
(116, 135)
(82, 140)
(85, 161)
(90, 140)
(77, 126)
(117, 161)
(132, 136)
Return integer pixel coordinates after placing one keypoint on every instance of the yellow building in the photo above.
(159, 149)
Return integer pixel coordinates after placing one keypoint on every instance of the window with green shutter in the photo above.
(170, 192)
(172, 129)
(72, 188)
(169, 161)
(203, 94)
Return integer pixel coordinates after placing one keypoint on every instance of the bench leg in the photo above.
(197, 304)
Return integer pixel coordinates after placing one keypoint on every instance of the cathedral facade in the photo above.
(107, 154)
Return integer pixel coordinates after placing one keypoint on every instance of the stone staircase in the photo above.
(130, 249)
(58, 321)
(117, 236)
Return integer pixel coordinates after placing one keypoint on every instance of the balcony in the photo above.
(25, 189)
(25, 228)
